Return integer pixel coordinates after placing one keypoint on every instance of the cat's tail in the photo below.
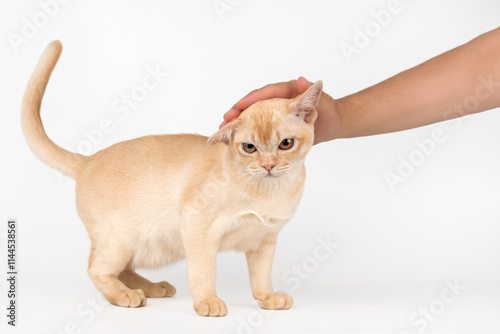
(45, 149)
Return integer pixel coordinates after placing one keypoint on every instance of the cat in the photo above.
(153, 200)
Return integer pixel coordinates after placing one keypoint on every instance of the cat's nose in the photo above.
(268, 166)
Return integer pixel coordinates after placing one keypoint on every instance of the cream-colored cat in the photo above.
(150, 201)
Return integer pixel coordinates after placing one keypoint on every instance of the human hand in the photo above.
(327, 125)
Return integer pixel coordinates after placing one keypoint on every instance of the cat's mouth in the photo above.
(273, 174)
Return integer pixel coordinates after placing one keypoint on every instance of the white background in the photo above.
(396, 248)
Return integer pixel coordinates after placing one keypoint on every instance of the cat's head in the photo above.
(272, 137)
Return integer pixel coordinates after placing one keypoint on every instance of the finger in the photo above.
(282, 90)
(231, 114)
(223, 124)
(303, 84)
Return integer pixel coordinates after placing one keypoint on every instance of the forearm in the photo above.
(450, 85)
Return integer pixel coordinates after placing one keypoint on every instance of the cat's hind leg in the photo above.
(105, 265)
(135, 281)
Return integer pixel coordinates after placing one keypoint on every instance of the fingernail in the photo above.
(226, 116)
(309, 82)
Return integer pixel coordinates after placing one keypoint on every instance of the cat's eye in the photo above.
(286, 144)
(249, 148)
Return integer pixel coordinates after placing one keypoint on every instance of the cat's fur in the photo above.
(154, 200)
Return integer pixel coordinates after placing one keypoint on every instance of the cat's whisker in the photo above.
(301, 178)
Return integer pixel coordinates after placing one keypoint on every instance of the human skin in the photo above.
(439, 89)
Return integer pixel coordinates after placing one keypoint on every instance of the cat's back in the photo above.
(156, 145)
(144, 163)
(147, 151)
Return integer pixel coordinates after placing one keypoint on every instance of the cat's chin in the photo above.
(269, 177)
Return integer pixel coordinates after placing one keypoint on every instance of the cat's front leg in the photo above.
(201, 252)
(260, 262)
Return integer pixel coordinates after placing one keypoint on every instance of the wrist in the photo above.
(340, 124)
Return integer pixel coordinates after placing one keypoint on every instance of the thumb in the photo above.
(303, 84)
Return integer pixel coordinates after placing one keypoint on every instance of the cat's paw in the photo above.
(161, 289)
(276, 301)
(211, 307)
(130, 298)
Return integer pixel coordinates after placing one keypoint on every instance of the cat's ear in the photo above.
(224, 135)
(304, 105)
